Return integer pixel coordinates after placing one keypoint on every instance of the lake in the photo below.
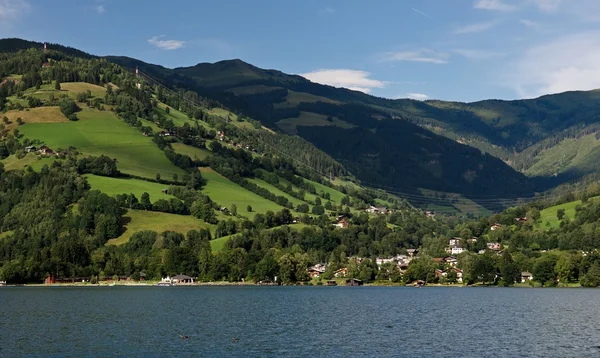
(298, 322)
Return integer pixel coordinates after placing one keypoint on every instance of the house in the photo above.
(166, 281)
(342, 223)
(429, 214)
(439, 273)
(457, 250)
(354, 282)
(343, 272)
(481, 252)
(411, 252)
(381, 261)
(472, 240)
(221, 136)
(521, 220)
(496, 226)
(450, 260)
(46, 65)
(377, 210)
(526, 276)
(182, 279)
(459, 274)
(316, 270)
(455, 241)
(493, 245)
(44, 150)
(30, 149)
(438, 260)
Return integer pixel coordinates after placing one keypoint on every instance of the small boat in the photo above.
(163, 284)
(419, 283)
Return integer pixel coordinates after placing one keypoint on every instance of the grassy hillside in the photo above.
(139, 220)
(225, 193)
(570, 155)
(548, 217)
(115, 186)
(193, 152)
(101, 132)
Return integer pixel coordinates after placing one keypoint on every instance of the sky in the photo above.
(459, 50)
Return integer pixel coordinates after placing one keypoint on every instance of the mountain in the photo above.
(360, 131)
(550, 139)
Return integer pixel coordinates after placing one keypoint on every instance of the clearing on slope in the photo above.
(225, 193)
(139, 220)
(35, 115)
(192, 152)
(137, 187)
(102, 133)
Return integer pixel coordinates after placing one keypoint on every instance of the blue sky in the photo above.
(463, 50)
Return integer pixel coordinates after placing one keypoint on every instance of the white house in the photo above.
(526, 276)
(455, 241)
(457, 250)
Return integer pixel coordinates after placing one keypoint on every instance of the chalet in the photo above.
(450, 260)
(221, 136)
(429, 214)
(455, 241)
(182, 279)
(343, 272)
(493, 246)
(30, 149)
(44, 150)
(526, 276)
(412, 252)
(342, 223)
(381, 261)
(459, 274)
(521, 220)
(472, 240)
(457, 250)
(438, 260)
(378, 210)
(439, 273)
(316, 270)
(353, 282)
(496, 226)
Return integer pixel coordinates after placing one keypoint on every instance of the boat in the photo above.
(163, 284)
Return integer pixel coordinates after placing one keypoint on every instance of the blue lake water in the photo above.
(298, 322)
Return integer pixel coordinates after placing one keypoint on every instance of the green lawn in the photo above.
(225, 193)
(140, 220)
(101, 132)
(32, 160)
(115, 186)
(193, 152)
(217, 245)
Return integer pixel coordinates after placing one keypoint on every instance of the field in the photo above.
(36, 115)
(149, 220)
(335, 195)
(115, 186)
(193, 152)
(77, 87)
(225, 193)
(276, 191)
(178, 118)
(98, 133)
(310, 119)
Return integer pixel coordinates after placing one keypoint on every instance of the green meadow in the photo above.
(192, 152)
(101, 132)
(139, 220)
(225, 193)
(137, 187)
(275, 191)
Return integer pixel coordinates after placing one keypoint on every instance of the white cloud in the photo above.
(422, 55)
(477, 27)
(547, 5)
(166, 44)
(351, 79)
(568, 63)
(477, 54)
(100, 9)
(493, 5)
(417, 96)
(11, 10)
